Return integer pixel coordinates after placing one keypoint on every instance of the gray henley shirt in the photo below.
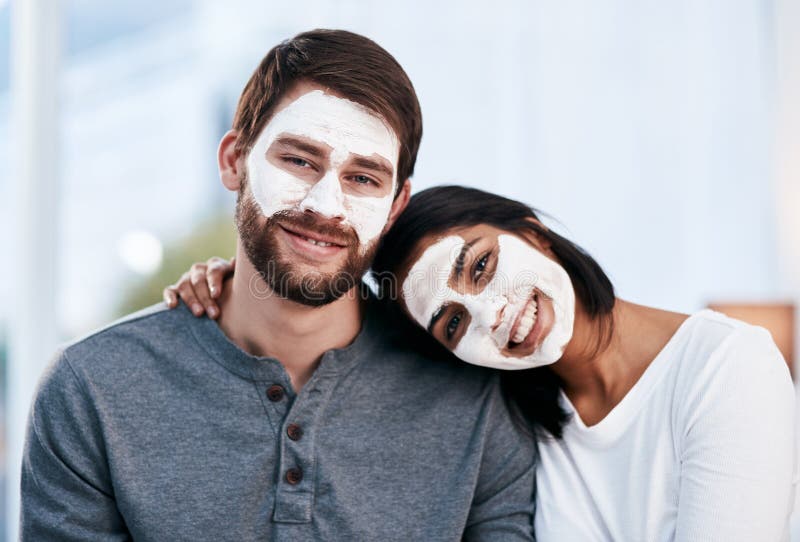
(160, 428)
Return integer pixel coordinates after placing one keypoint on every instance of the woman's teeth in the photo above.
(526, 321)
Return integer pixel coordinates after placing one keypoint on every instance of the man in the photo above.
(302, 415)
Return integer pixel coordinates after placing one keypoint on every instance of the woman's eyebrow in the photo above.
(458, 266)
(436, 317)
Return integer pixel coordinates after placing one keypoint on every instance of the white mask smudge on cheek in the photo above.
(425, 288)
(520, 268)
(348, 129)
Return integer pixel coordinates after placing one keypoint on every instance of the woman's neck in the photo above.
(602, 363)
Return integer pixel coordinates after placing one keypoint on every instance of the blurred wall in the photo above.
(645, 128)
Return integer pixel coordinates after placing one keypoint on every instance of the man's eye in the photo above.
(297, 161)
(362, 179)
(452, 326)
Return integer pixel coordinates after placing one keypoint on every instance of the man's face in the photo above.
(319, 185)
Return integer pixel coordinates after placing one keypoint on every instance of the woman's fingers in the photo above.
(170, 296)
(199, 286)
(216, 272)
(197, 278)
(187, 294)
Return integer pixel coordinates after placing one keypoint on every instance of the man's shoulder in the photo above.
(130, 341)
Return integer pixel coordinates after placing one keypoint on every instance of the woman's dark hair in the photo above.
(532, 394)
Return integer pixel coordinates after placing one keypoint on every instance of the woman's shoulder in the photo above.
(723, 338)
(718, 355)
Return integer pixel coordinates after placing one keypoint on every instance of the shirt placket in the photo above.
(294, 493)
(276, 396)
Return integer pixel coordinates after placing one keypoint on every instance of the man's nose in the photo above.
(325, 198)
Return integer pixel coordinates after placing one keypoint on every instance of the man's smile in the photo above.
(312, 244)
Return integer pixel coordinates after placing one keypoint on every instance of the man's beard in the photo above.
(313, 288)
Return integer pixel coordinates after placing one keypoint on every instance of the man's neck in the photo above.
(264, 324)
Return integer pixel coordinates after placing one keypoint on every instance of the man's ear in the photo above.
(399, 204)
(230, 167)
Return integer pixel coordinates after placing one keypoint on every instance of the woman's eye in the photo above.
(480, 266)
(452, 326)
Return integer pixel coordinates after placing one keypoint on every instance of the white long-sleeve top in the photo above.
(702, 448)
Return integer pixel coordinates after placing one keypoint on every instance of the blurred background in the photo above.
(664, 137)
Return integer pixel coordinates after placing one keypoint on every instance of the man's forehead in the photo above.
(317, 106)
(336, 122)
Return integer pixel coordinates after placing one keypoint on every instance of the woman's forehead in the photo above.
(466, 235)
(428, 270)
(427, 279)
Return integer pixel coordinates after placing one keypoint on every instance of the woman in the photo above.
(652, 425)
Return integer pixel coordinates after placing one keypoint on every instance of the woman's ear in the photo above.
(230, 167)
(537, 239)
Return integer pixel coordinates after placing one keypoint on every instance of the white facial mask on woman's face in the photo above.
(348, 129)
(520, 268)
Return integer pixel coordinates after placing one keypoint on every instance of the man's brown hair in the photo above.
(350, 65)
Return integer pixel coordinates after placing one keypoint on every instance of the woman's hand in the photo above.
(200, 286)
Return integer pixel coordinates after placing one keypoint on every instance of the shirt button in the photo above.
(294, 476)
(275, 393)
(294, 431)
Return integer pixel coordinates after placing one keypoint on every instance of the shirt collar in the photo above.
(335, 361)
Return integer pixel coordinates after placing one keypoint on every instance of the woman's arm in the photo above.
(200, 286)
(738, 457)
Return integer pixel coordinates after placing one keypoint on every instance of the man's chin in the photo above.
(297, 272)
(308, 284)
(315, 301)
(318, 293)
(302, 268)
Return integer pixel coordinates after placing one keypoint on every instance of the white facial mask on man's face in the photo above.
(520, 268)
(347, 128)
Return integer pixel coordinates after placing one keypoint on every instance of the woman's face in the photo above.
(492, 297)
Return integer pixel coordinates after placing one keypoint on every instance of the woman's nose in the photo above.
(489, 311)
(499, 319)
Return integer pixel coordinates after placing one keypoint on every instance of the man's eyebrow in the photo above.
(436, 317)
(458, 266)
(375, 165)
(301, 145)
